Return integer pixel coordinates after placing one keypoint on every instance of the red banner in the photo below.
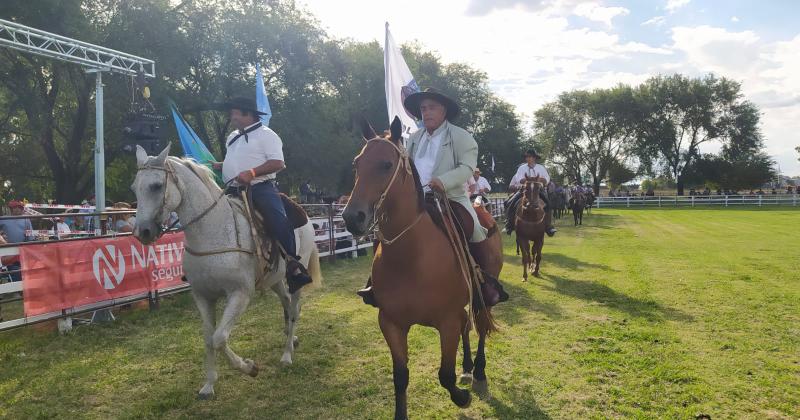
(63, 275)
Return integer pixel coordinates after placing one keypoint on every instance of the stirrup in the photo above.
(551, 231)
(298, 280)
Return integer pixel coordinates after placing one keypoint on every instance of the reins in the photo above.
(170, 172)
(378, 214)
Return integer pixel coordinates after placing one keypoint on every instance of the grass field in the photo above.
(639, 314)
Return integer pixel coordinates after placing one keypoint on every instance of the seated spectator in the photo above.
(61, 227)
(15, 231)
(122, 223)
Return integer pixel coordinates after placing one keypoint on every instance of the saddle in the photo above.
(465, 223)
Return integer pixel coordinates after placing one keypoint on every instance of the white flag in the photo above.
(399, 84)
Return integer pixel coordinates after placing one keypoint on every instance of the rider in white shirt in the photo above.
(531, 169)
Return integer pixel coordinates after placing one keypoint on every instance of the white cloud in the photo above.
(532, 54)
(654, 21)
(599, 13)
(734, 19)
(673, 5)
(767, 71)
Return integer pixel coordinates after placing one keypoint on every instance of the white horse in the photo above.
(219, 259)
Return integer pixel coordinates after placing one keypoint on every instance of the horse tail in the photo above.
(484, 321)
(314, 269)
(307, 247)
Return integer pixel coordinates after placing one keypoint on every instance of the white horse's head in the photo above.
(157, 194)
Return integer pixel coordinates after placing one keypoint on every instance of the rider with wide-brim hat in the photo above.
(253, 157)
(445, 157)
(531, 168)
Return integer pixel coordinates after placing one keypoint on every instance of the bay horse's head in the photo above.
(530, 191)
(381, 167)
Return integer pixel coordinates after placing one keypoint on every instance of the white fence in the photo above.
(766, 200)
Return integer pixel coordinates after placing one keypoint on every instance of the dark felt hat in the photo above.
(241, 103)
(412, 102)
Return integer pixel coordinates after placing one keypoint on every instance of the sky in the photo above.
(532, 50)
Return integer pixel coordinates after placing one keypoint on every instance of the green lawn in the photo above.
(639, 314)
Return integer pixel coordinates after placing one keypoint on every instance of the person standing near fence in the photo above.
(16, 231)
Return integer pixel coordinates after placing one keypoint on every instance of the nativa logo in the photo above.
(162, 262)
(108, 265)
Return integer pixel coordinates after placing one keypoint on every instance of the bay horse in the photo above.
(220, 260)
(578, 204)
(416, 276)
(530, 227)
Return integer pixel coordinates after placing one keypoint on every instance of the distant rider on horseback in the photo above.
(531, 169)
(254, 155)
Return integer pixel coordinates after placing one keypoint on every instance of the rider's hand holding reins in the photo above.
(437, 185)
(245, 177)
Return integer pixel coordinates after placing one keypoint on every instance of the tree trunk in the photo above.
(679, 185)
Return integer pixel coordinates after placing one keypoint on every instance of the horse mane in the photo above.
(203, 172)
(417, 185)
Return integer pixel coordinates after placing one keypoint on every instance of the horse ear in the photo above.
(162, 157)
(396, 129)
(141, 156)
(366, 129)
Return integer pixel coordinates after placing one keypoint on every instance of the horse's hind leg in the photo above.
(467, 364)
(480, 385)
(397, 339)
(206, 309)
(236, 305)
(291, 311)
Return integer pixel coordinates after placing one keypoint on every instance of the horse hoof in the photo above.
(205, 395)
(253, 368)
(462, 398)
(286, 360)
(537, 275)
(296, 342)
(481, 388)
(465, 379)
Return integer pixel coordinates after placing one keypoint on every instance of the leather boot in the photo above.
(491, 289)
(367, 295)
(297, 275)
(548, 221)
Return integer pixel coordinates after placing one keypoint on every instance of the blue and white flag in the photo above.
(399, 84)
(262, 103)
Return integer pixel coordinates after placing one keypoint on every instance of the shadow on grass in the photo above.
(522, 303)
(525, 407)
(593, 221)
(591, 291)
(568, 262)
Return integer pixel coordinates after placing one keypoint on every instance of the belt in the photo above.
(235, 190)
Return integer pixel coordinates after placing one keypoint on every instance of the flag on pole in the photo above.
(193, 147)
(261, 97)
(399, 84)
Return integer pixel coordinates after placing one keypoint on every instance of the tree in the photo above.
(619, 174)
(590, 131)
(680, 114)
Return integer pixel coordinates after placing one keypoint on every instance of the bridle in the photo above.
(378, 214)
(169, 171)
(526, 203)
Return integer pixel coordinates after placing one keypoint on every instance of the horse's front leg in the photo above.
(397, 339)
(537, 251)
(526, 256)
(234, 307)
(448, 335)
(206, 309)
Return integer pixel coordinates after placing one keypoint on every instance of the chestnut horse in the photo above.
(416, 275)
(529, 225)
(578, 204)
